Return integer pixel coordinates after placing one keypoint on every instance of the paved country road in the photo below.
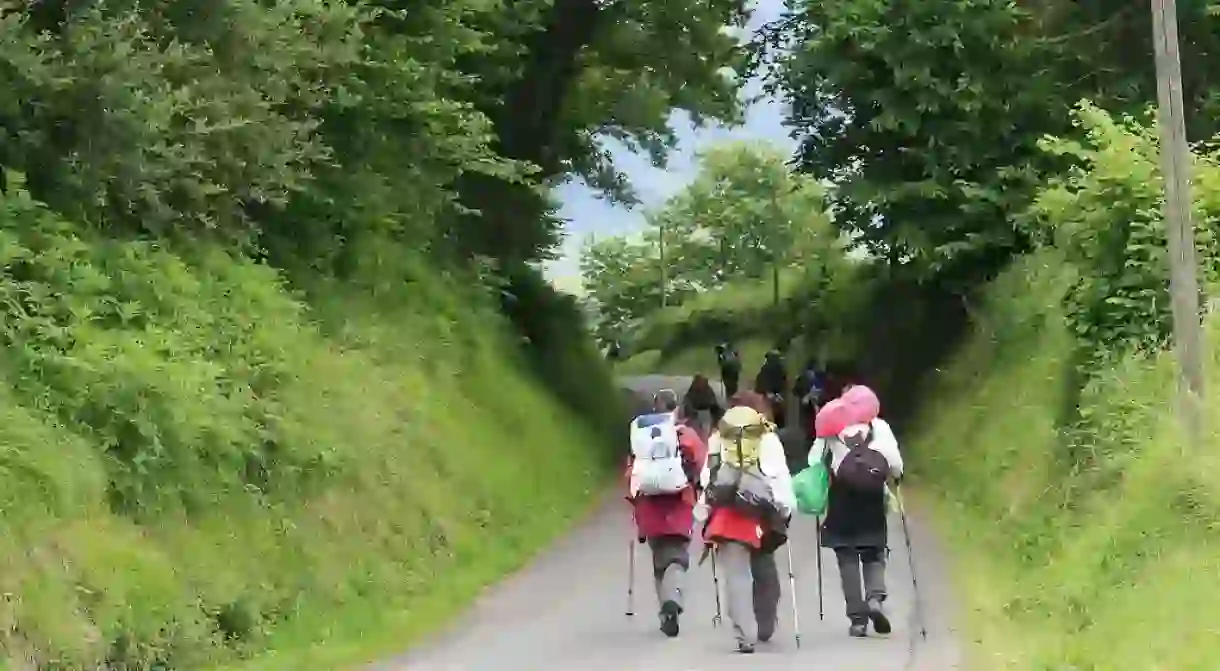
(566, 612)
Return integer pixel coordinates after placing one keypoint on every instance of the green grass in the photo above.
(203, 469)
(1090, 548)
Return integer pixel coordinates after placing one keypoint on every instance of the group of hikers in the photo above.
(730, 477)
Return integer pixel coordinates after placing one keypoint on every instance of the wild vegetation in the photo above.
(745, 217)
(282, 379)
(1000, 163)
(280, 389)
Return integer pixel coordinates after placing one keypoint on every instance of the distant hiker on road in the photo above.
(667, 457)
(730, 367)
(748, 501)
(861, 459)
(701, 398)
(808, 393)
(772, 383)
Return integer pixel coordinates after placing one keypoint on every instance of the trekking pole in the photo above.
(821, 603)
(631, 543)
(906, 535)
(631, 577)
(716, 619)
(796, 613)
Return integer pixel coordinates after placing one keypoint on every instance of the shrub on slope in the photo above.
(1084, 519)
(197, 469)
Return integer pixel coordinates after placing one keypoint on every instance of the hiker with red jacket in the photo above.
(663, 475)
(862, 457)
(748, 501)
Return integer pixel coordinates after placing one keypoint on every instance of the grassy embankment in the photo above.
(1082, 522)
(1093, 551)
(201, 467)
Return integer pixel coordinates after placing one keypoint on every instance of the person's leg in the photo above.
(739, 592)
(670, 561)
(873, 561)
(853, 590)
(766, 593)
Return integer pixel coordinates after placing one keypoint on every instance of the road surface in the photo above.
(566, 612)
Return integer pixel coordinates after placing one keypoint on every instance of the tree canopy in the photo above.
(309, 129)
(745, 215)
(928, 115)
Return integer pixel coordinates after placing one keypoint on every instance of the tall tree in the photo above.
(927, 115)
(745, 215)
(590, 69)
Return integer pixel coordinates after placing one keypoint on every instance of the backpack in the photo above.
(730, 360)
(737, 480)
(863, 468)
(656, 467)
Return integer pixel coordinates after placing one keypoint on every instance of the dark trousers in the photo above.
(862, 572)
(729, 378)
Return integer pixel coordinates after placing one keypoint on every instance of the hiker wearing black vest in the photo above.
(772, 383)
(861, 461)
(808, 393)
(730, 367)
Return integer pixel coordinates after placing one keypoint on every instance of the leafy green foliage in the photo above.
(745, 216)
(267, 308)
(113, 354)
(928, 115)
(1106, 542)
(590, 69)
(208, 468)
(622, 280)
(1105, 214)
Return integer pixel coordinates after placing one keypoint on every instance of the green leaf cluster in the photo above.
(1105, 215)
(744, 216)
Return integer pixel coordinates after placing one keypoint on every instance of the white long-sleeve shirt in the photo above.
(883, 441)
(773, 462)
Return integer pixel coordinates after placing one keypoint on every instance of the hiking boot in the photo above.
(881, 623)
(745, 648)
(858, 629)
(669, 618)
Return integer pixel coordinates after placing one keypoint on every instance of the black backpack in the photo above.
(864, 469)
(730, 360)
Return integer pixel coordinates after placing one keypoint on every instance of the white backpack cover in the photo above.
(657, 465)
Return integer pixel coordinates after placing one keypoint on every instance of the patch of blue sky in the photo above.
(587, 213)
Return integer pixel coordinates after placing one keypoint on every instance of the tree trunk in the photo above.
(527, 125)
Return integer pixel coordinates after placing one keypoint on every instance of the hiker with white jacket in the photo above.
(862, 459)
(749, 502)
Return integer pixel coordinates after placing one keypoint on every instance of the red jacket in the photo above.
(727, 524)
(672, 514)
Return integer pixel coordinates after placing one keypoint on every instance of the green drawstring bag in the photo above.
(812, 486)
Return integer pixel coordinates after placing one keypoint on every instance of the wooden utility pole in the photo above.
(724, 258)
(777, 215)
(664, 273)
(775, 277)
(1175, 164)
